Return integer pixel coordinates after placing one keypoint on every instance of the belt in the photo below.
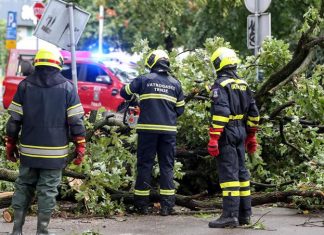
(235, 123)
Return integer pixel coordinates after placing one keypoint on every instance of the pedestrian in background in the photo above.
(44, 110)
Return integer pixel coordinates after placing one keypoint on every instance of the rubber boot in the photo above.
(42, 224)
(224, 221)
(19, 220)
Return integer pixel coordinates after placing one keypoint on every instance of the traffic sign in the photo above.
(38, 8)
(257, 6)
(54, 26)
(11, 44)
(264, 21)
(11, 33)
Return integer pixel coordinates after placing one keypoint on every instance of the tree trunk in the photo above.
(190, 202)
(5, 199)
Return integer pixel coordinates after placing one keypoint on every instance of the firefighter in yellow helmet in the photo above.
(233, 127)
(45, 108)
(161, 102)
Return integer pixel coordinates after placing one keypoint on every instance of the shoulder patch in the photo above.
(214, 93)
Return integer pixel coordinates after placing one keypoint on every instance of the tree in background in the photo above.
(186, 23)
(3, 50)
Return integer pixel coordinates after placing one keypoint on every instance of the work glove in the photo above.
(251, 143)
(11, 149)
(214, 135)
(137, 110)
(80, 147)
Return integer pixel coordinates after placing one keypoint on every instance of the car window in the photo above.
(67, 72)
(25, 65)
(93, 71)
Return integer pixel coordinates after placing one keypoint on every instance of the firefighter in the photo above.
(161, 102)
(233, 129)
(45, 108)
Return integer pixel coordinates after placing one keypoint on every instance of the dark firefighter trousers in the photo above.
(234, 178)
(43, 181)
(150, 144)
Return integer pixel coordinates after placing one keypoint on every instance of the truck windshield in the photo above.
(25, 65)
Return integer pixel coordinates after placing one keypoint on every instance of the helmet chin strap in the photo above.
(161, 66)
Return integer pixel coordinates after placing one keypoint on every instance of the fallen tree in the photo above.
(191, 202)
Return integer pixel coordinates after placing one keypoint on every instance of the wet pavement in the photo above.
(275, 221)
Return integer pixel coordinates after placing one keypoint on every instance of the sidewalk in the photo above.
(279, 221)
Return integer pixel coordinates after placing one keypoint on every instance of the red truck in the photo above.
(98, 86)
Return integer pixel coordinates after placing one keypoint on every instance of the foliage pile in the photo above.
(289, 150)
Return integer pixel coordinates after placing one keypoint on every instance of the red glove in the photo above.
(80, 147)
(213, 141)
(11, 149)
(251, 143)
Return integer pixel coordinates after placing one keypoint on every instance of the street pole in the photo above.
(256, 45)
(101, 22)
(37, 42)
(72, 44)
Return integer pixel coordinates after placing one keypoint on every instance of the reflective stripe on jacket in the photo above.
(161, 101)
(232, 100)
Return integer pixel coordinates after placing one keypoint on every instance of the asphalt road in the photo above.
(277, 221)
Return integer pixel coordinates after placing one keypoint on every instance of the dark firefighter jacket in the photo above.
(232, 102)
(46, 107)
(161, 101)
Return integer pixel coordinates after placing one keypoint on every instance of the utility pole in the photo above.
(258, 26)
(101, 22)
(72, 40)
(256, 45)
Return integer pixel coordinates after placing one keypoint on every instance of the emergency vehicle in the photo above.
(98, 86)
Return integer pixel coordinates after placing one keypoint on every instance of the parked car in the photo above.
(98, 86)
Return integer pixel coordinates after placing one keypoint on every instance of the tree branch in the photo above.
(299, 70)
(315, 42)
(278, 77)
(303, 122)
(271, 185)
(109, 121)
(277, 110)
(305, 44)
(284, 141)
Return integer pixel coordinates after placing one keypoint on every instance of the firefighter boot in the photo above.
(143, 210)
(165, 211)
(224, 221)
(244, 220)
(245, 211)
(19, 220)
(42, 224)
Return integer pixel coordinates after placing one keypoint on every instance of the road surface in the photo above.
(278, 221)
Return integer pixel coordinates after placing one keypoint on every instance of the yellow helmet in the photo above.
(155, 56)
(224, 57)
(49, 57)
